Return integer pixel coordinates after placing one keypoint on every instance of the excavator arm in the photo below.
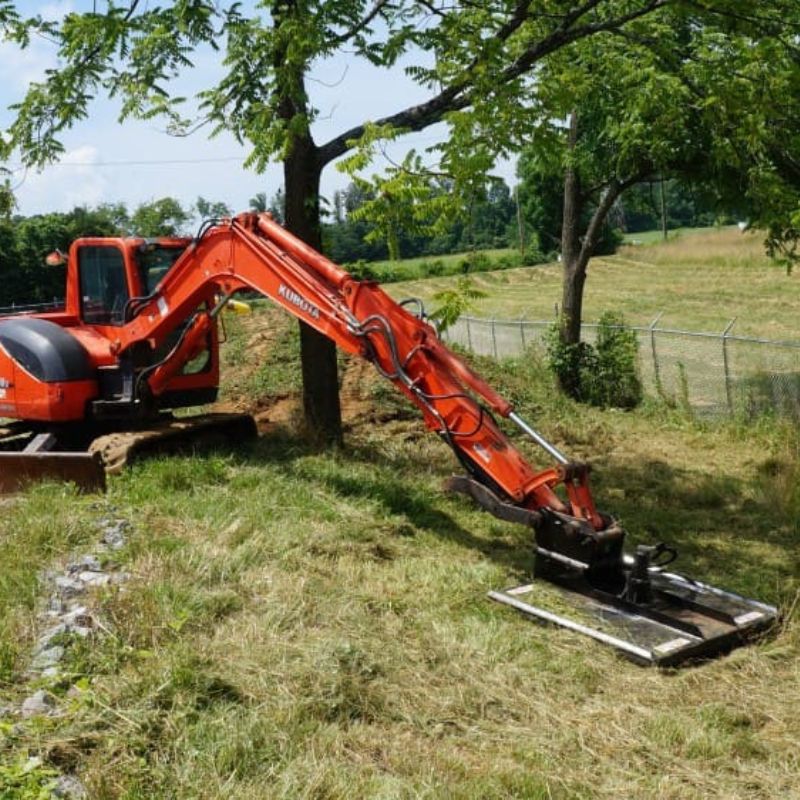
(254, 252)
(651, 615)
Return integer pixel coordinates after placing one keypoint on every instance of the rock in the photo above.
(6, 712)
(74, 692)
(56, 607)
(80, 615)
(46, 639)
(40, 703)
(69, 587)
(51, 672)
(48, 658)
(114, 533)
(94, 578)
(90, 562)
(69, 788)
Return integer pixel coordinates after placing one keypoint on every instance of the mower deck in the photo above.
(684, 620)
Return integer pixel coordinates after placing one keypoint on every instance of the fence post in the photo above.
(494, 339)
(469, 334)
(656, 371)
(522, 335)
(728, 391)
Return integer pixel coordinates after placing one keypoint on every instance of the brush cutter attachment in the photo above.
(584, 581)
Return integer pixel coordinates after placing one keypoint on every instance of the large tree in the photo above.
(697, 92)
(478, 63)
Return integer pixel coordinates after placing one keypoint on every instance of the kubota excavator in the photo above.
(138, 335)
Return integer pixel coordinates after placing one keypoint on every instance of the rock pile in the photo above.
(69, 616)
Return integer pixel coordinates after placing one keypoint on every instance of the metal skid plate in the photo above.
(687, 620)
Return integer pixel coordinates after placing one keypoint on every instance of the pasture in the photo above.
(700, 281)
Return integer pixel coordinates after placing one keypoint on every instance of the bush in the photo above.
(432, 269)
(605, 374)
(361, 270)
(533, 256)
(765, 393)
(476, 262)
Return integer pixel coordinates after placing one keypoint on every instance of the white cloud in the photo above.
(76, 182)
(55, 11)
(19, 68)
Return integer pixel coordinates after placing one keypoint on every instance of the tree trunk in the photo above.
(302, 168)
(574, 274)
(576, 250)
(323, 414)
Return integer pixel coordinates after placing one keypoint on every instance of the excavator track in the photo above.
(118, 449)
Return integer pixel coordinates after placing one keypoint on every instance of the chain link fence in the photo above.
(713, 373)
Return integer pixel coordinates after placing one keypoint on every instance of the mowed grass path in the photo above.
(305, 624)
(700, 281)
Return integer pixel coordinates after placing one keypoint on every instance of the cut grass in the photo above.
(699, 282)
(314, 624)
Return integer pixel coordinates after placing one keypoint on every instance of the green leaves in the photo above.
(454, 302)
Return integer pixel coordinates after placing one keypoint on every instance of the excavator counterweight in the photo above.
(138, 337)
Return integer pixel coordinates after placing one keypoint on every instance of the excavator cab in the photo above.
(105, 279)
(103, 275)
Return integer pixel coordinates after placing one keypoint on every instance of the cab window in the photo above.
(154, 263)
(103, 285)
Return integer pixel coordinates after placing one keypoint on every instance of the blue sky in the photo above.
(346, 91)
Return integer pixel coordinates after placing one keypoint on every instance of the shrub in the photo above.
(361, 270)
(432, 269)
(533, 256)
(605, 374)
(475, 262)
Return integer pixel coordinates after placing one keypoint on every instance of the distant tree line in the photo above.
(492, 222)
(26, 241)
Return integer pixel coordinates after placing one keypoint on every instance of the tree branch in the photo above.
(459, 96)
(613, 193)
(360, 25)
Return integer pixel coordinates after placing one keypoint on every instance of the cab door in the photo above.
(103, 284)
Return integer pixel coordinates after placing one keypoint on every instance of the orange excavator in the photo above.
(138, 335)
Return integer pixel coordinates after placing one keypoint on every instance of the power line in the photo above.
(141, 163)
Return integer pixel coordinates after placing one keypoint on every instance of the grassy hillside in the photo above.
(700, 282)
(314, 624)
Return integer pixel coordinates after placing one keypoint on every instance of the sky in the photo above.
(136, 162)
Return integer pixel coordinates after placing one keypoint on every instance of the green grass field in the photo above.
(657, 236)
(313, 624)
(699, 282)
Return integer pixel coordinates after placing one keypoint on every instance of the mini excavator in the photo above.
(138, 336)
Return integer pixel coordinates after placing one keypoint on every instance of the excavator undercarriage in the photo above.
(83, 455)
